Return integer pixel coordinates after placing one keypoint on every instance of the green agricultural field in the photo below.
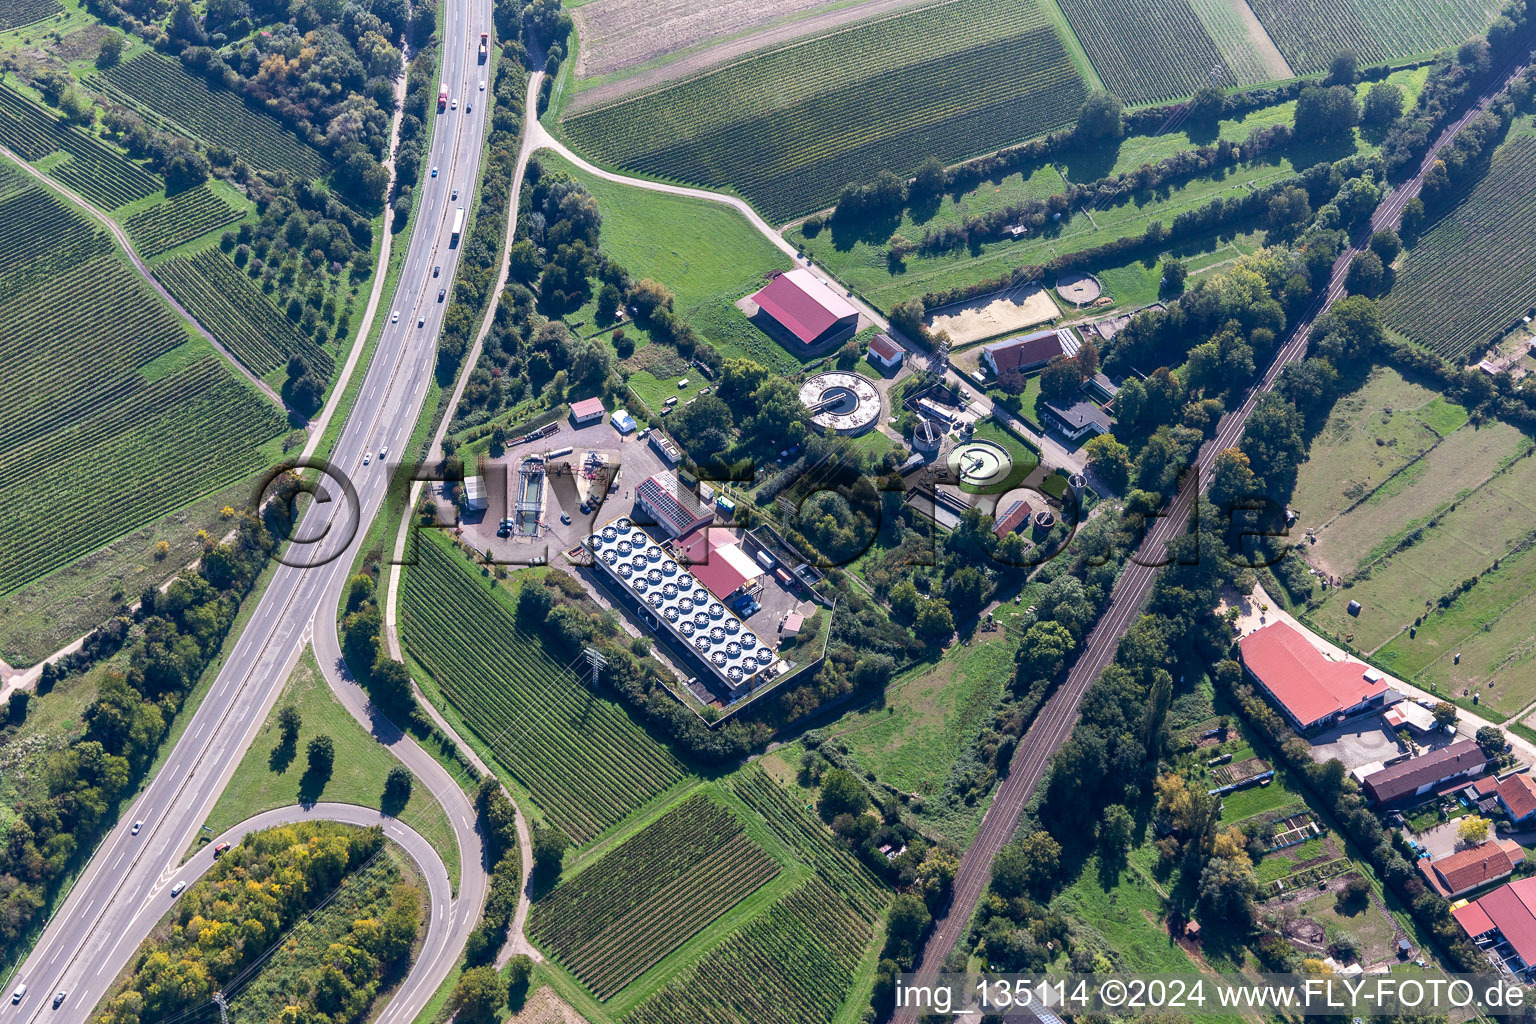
(789, 127)
(225, 300)
(1246, 803)
(219, 116)
(793, 964)
(271, 775)
(98, 172)
(1148, 51)
(1468, 280)
(803, 833)
(580, 757)
(15, 13)
(1490, 628)
(180, 218)
(1310, 35)
(1491, 523)
(860, 258)
(706, 253)
(1371, 433)
(89, 411)
(611, 922)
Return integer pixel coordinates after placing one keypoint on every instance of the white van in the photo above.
(18, 995)
(178, 889)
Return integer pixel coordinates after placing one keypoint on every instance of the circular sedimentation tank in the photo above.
(980, 463)
(841, 403)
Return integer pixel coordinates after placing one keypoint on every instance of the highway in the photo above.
(113, 903)
(1055, 721)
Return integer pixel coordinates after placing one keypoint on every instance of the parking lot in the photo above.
(1367, 739)
(562, 492)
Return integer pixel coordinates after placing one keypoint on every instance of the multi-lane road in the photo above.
(1054, 723)
(120, 894)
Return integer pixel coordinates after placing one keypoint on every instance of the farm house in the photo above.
(802, 306)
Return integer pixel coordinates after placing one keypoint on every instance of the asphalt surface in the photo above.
(86, 943)
(1055, 722)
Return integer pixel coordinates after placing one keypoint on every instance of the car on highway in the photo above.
(383, 451)
(394, 317)
(421, 321)
(455, 106)
(440, 293)
(136, 826)
(469, 107)
(58, 999)
(434, 170)
(455, 194)
(565, 517)
(367, 457)
(221, 849)
(436, 270)
(482, 85)
(178, 889)
(19, 994)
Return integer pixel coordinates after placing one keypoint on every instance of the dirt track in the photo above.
(673, 36)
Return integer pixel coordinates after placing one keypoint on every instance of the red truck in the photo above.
(442, 99)
(485, 39)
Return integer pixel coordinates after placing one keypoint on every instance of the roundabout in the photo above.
(841, 403)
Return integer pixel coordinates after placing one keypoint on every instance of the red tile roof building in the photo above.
(1504, 922)
(1518, 795)
(1472, 868)
(1313, 691)
(1027, 351)
(815, 315)
(886, 352)
(1013, 519)
(718, 561)
(588, 410)
(1419, 775)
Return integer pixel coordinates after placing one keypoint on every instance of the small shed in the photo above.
(622, 421)
(1354, 608)
(588, 410)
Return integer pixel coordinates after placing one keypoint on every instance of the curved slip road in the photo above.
(76, 950)
(1055, 722)
(416, 847)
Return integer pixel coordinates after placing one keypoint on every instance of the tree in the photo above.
(1060, 380)
(934, 622)
(389, 684)
(909, 919)
(322, 755)
(1386, 244)
(1114, 832)
(1289, 211)
(1326, 112)
(1204, 107)
(1365, 273)
(1227, 890)
(1344, 70)
(477, 996)
(111, 49)
(608, 299)
(1174, 275)
(1110, 459)
(1491, 739)
(549, 846)
(1100, 116)
(1354, 893)
(288, 724)
(1472, 829)
(841, 793)
(397, 785)
(1383, 105)
(1445, 714)
(1044, 651)
(929, 180)
(519, 974)
(1026, 866)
